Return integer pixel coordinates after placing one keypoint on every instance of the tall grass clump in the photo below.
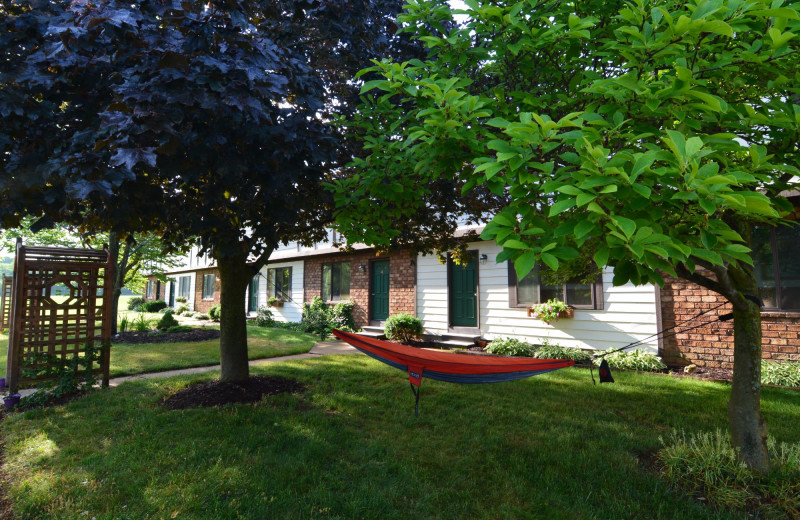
(705, 466)
(634, 360)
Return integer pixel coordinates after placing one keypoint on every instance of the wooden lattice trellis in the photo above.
(42, 324)
(5, 302)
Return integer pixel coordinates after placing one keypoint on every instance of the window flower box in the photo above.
(551, 311)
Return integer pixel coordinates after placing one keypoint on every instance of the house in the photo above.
(483, 299)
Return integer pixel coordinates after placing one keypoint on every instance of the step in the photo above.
(457, 343)
(372, 330)
(461, 337)
(372, 334)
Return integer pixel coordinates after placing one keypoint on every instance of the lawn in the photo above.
(129, 359)
(553, 446)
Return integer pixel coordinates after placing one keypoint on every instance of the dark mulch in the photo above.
(710, 374)
(166, 337)
(217, 393)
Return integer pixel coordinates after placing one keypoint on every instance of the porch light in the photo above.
(483, 258)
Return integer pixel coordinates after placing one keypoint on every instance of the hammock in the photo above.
(452, 368)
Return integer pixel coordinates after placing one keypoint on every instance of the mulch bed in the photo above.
(217, 393)
(166, 337)
(709, 374)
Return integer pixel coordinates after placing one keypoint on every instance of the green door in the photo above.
(464, 294)
(380, 290)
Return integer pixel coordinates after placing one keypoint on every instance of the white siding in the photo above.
(628, 314)
(293, 309)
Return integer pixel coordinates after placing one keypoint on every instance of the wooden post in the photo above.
(17, 313)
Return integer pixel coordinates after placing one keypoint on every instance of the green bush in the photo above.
(403, 327)
(315, 318)
(341, 317)
(180, 328)
(167, 321)
(782, 373)
(214, 312)
(634, 360)
(154, 306)
(549, 350)
(705, 464)
(264, 317)
(141, 323)
(181, 309)
(510, 347)
(201, 317)
(135, 304)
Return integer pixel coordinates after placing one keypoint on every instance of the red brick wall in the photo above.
(402, 282)
(158, 290)
(201, 305)
(712, 345)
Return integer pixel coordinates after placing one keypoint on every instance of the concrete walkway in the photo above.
(323, 348)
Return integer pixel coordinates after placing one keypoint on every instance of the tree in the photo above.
(647, 136)
(186, 119)
(132, 255)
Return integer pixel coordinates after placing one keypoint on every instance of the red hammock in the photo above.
(444, 366)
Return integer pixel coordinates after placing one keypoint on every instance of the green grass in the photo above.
(262, 342)
(127, 359)
(552, 446)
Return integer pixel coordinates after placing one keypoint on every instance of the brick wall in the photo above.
(158, 290)
(402, 282)
(712, 345)
(201, 305)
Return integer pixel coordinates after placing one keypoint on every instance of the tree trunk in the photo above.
(234, 274)
(748, 428)
(120, 266)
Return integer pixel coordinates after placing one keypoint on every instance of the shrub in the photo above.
(403, 327)
(124, 323)
(181, 309)
(549, 350)
(341, 317)
(201, 316)
(510, 347)
(705, 464)
(179, 328)
(214, 312)
(141, 323)
(264, 317)
(315, 318)
(782, 373)
(634, 360)
(135, 304)
(180, 299)
(167, 321)
(154, 306)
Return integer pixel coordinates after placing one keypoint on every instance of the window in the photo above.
(336, 281)
(252, 301)
(531, 290)
(208, 286)
(183, 286)
(279, 283)
(151, 289)
(777, 270)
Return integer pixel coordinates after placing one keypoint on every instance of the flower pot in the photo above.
(569, 312)
(276, 304)
(11, 400)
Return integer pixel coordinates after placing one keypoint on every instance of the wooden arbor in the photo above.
(5, 302)
(42, 326)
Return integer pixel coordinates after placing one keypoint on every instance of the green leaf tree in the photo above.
(648, 136)
(203, 120)
(133, 256)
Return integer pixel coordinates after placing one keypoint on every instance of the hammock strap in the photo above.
(416, 402)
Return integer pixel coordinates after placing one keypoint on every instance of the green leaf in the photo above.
(627, 225)
(550, 260)
(601, 256)
(708, 205)
(524, 264)
(561, 206)
(514, 244)
(583, 228)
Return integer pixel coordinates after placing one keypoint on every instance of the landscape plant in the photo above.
(403, 327)
(179, 328)
(141, 323)
(167, 321)
(213, 312)
(548, 350)
(154, 306)
(781, 373)
(510, 347)
(135, 303)
(651, 137)
(59, 376)
(632, 360)
(264, 317)
(549, 311)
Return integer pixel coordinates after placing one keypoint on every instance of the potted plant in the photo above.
(11, 400)
(551, 311)
(275, 302)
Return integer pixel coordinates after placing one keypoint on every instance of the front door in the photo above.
(464, 294)
(380, 290)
